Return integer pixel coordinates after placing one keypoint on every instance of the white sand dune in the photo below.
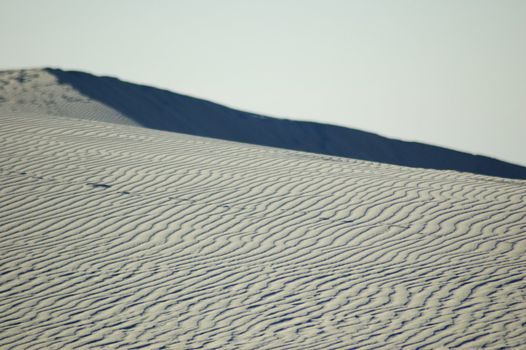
(39, 93)
(50, 92)
(118, 237)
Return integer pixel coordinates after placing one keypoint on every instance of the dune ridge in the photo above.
(119, 237)
(45, 92)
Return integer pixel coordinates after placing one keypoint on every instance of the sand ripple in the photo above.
(119, 237)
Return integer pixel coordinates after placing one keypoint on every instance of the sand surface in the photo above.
(39, 93)
(118, 237)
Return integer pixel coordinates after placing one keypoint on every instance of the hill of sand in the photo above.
(119, 237)
(44, 92)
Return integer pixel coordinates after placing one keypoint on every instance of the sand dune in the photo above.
(115, 237)
(44, 92)
(38, 93)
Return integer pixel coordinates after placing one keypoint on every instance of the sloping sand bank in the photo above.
(115, 236)
(47, 92)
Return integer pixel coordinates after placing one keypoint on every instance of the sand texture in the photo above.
(119, 237)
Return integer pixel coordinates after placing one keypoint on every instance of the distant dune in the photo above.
(85, 96)
(120, 237)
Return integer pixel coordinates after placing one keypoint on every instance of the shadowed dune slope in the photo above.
(119, 237)
(82, 95)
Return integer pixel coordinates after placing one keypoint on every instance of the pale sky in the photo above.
(445, 72)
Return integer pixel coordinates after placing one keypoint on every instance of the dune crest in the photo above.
(80, 95)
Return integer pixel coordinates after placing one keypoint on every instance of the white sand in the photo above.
(121, 237)
(38, 93)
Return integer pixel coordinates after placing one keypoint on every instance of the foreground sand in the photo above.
(120, 237)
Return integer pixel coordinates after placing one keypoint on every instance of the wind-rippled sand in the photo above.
(118, 237)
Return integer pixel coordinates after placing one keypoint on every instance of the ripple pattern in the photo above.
(119, 237)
